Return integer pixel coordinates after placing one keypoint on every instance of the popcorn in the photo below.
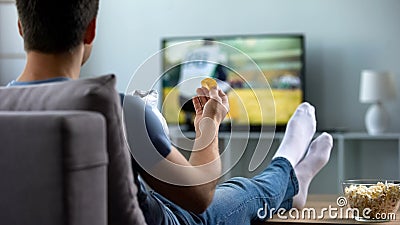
(382, 198)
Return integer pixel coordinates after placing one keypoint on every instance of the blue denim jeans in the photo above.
(236, 201)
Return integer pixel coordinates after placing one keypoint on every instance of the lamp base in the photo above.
(376, 119)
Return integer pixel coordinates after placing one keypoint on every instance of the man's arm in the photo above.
(191, 183)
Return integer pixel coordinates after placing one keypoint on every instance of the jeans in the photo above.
(236, 201)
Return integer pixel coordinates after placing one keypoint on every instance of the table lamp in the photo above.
(376, 87)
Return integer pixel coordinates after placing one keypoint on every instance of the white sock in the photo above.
(299, 133)
(315, 159)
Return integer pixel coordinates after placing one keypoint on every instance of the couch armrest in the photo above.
(53, 166)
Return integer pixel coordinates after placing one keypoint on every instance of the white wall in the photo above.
(12, 56)
(342, 38)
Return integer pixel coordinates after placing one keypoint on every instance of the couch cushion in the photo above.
(94, 94)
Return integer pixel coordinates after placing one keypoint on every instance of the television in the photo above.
(263, 76)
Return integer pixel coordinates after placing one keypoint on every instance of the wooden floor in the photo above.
(318, 202)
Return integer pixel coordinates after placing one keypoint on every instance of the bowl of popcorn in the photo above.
(372, 200)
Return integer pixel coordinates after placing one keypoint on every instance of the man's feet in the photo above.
(315, 159)
(299, 133)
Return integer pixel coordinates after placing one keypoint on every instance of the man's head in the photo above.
(56, 26)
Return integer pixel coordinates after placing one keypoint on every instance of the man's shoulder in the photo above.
(33, 82)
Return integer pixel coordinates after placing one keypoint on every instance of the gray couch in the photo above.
(55, 142)
(53, 168)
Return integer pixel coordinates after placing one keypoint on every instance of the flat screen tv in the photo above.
(263, 76)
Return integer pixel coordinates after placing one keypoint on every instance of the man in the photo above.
(58, 36)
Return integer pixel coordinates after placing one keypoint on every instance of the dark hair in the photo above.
(55, 26)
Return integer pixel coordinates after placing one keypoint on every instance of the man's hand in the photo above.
(212, 104)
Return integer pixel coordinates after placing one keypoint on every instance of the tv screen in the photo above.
(263, 76)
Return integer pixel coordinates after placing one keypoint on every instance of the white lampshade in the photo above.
(376, 86)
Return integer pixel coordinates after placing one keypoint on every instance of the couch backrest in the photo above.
(98, 95)
(53, 168)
